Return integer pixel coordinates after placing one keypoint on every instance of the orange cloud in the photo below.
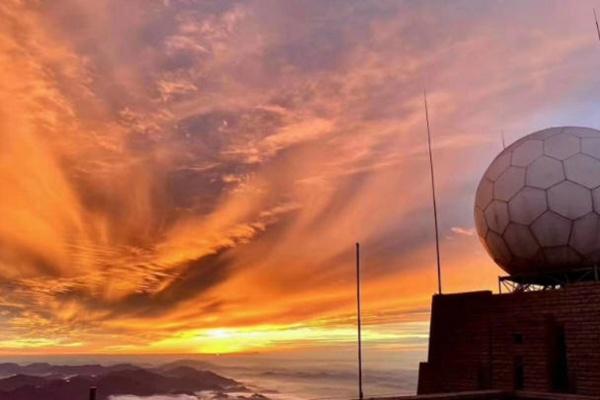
(190, 176)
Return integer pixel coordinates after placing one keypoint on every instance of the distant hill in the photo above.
(17, 381)
(197, 364)
(190, 374)
(59, 382)
(45, 369)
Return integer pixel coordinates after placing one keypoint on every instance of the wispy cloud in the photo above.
(175, 167)
(463, 231)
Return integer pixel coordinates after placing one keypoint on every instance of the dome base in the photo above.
(547, 280)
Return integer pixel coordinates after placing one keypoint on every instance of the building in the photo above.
(541, 341)
(537, 212)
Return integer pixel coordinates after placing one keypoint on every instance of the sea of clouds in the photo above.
(156, 397)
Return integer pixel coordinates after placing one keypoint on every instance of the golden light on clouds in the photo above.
(191, 176)
(230, 340)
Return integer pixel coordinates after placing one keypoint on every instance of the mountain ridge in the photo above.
(62, 382)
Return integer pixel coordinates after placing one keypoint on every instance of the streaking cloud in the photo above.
(191, 176)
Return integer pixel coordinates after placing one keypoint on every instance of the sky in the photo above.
(185, 176)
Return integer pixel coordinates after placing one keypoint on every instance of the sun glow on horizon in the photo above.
(230, 340)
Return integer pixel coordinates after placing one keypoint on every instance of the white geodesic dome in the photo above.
(537, 207)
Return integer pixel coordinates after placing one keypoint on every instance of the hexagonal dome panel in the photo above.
(586, 234)
(561, 146)
(581, 132)
(570, 200)
(527, 152)
(485, 193)
(520, 241)
(546, 133)
(496, 216)
(509, 183)
(561, 257)
(527, 205)
(591, 147)
(480, 222)
(592, 258)
(542, 212)
(583, 169)
(596, 200)
(498, 249)
(551, 230)
(528, 265)
(544, 172)
(498, 166)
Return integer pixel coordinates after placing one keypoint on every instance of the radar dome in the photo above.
(537, 207)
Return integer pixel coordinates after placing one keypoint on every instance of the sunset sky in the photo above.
(191, 176)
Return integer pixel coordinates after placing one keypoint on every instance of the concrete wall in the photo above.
(478, 339)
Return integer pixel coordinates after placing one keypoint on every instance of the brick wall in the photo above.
(478, 340)
(491, 395)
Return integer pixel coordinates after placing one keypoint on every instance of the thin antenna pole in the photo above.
(503, 141)
(435, 217)
(597, 26)
(360, 390)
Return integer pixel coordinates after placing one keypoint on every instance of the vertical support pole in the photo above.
(597, 26)
(360, 389)
(93, 393)
(435, 216)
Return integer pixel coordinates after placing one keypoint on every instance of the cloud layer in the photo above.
(178, 173)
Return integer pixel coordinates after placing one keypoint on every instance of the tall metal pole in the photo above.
(435, 217)
(360, 390)
(597, 26)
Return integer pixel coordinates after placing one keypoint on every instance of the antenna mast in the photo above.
(435, 217)
(360, 390)
(597, 26)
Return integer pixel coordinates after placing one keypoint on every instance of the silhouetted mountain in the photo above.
(7, 369)
(257, 396)
(50, 382)
(191, 374)
(139, 383)
(45, 369)
(17, 381)
(197, 364)
(61, 389)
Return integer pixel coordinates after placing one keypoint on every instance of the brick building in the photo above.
(542, 341)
